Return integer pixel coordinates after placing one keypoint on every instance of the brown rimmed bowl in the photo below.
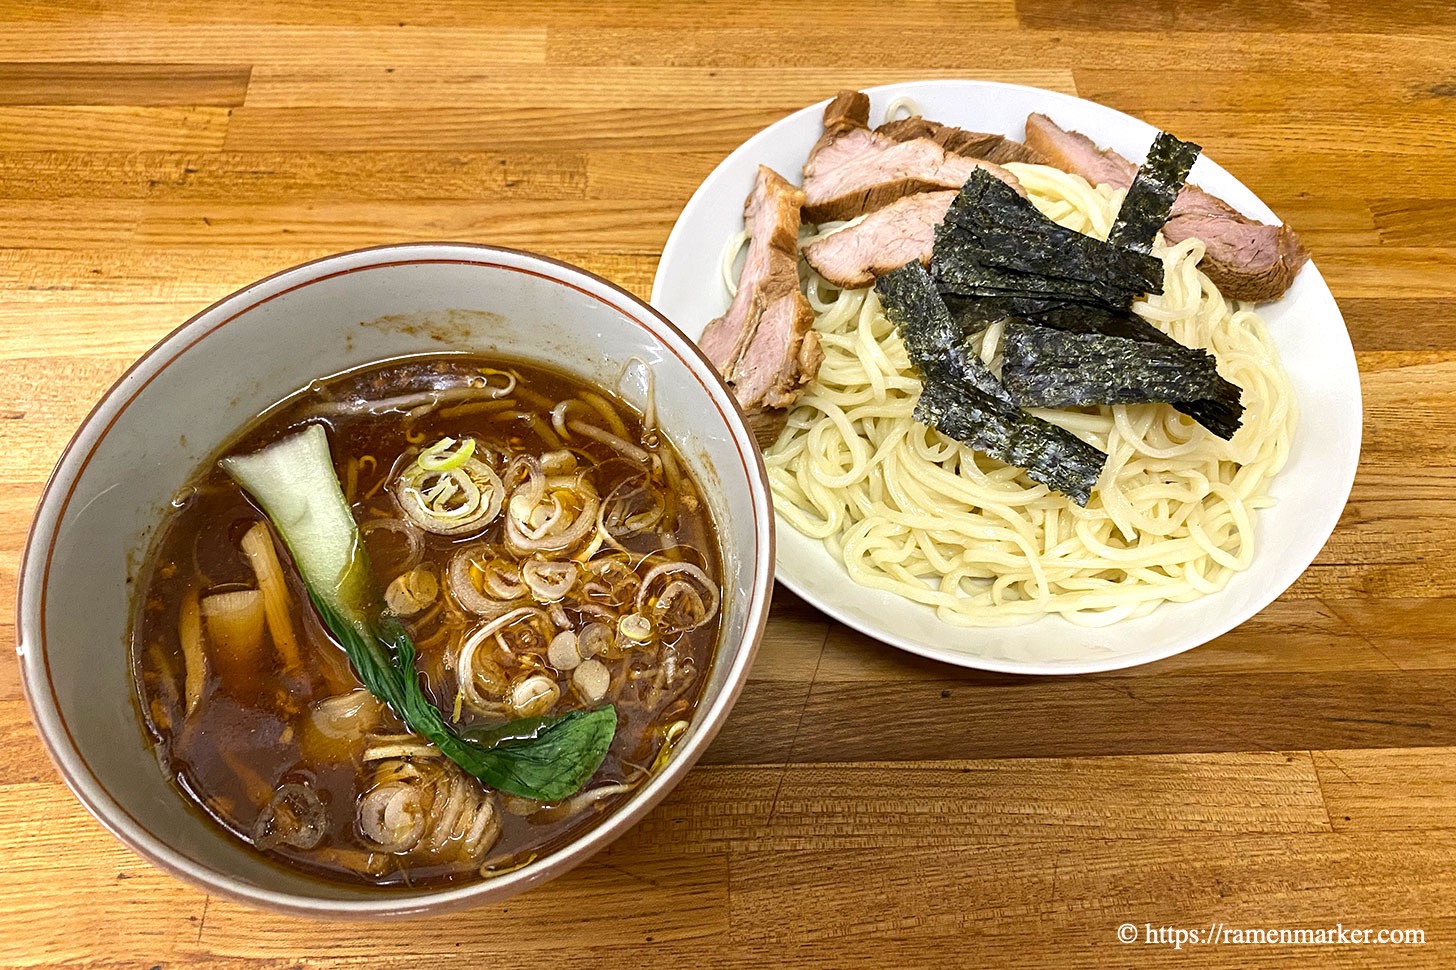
(192, 392)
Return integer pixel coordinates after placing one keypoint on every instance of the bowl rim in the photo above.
(38, 686)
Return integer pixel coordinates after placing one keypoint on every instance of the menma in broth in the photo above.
(541, 543)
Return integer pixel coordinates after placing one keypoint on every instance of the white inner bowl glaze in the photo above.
(1305, 324)
(204, 382)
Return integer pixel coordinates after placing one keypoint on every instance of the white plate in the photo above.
(1306, 325)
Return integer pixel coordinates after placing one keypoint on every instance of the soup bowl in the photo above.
(189, 395)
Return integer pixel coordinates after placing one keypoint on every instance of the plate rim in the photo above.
(1091, 664)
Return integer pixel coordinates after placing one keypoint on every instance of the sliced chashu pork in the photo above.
(1246, 259)
(885, 239)
(972, 144)
(853, 170)
(764, 346)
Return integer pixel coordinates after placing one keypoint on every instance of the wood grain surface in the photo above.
(861, 807)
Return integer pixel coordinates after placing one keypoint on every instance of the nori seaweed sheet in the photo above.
(1007, 249)
(1071, 336)
(1223, 415)
(1221, 412)
(987, 203)
(1048, 454)
(964, 265)
(1154, 189)
(975, 313)
(1050, 368)
(962, 399)
(995, 243)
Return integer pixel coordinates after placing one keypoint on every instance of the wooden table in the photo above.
(861, 807)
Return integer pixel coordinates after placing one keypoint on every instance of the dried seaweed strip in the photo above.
(1154, 189)
(975, 313)
(935, 343)
(1048, 454)
(1053, 368)
(985, 203)
(973, 264)
(914, 305)
(1223, 414)
(962, 266)
(986, 198)
(1046, 255)
(1220, 413)
(1009, 232)
(970, 368)
(962, 399)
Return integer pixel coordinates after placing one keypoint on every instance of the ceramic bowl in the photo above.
(181, 402)
(1305, 324)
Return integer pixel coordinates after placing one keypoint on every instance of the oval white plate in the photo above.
(1306, 325)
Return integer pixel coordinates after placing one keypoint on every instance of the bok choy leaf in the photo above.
(294, 482)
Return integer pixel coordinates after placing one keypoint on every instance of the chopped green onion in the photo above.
(294, 481)
(439, 458)
(450, 500)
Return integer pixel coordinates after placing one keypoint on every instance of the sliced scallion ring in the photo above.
(439, 458)
(452, 501)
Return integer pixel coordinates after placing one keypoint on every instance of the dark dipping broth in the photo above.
(271, 733)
